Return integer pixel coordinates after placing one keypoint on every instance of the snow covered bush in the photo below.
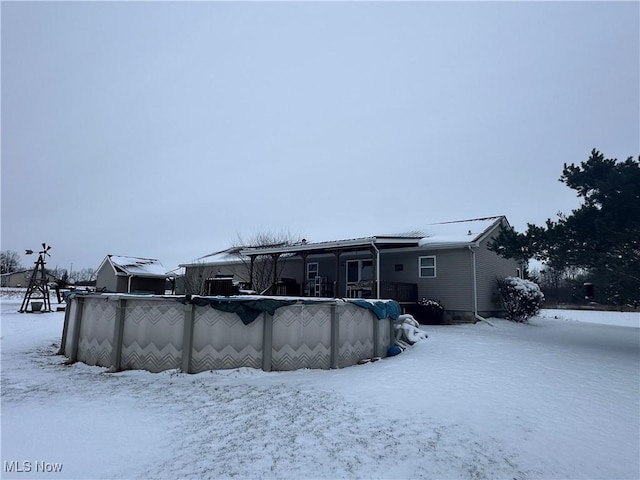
(431, 310)
(432, 305)
(521, 298)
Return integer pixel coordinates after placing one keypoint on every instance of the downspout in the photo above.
(129, 285)
(373, 244)
(475, 288)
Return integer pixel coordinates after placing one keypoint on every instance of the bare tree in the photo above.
(196, 276)
(9, 261)
(85, 275)
(264, 269)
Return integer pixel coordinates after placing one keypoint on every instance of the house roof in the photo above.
(137, 266)
(230, 255)
(8, 274)
(457, 234)
(25, 272)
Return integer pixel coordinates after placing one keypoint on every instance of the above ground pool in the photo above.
(196, 334)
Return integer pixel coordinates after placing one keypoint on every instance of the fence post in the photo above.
(335, 336)
(118, 333)
(267, 342)
(187, 338)
(65, 329)
(73, 355)
(376, 335)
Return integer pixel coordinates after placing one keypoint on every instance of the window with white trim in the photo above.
(359, 271)
(312, 270)
(427, 267)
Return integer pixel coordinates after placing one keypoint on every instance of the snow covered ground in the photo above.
(556, 398)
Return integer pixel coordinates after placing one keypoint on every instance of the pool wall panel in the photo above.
(96, 336)
(152, 338)
(221, 340)
(302, 337)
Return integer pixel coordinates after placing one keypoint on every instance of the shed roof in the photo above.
(137, 266)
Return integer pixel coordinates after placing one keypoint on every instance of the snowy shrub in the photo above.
(521, 298)
(432, 305)
(430, 310)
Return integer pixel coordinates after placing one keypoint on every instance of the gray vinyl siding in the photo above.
(408, 261)
(196, 275)
(452, 285)
(17, 279)
(106, 279)
(490, 267)
(326, 268)
(122, 283)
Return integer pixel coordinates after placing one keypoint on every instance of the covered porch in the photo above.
(342, 269)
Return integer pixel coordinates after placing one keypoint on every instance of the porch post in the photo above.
(275, 257)
(375, 291)
(303, 282)
(336, 285)
(253, 260)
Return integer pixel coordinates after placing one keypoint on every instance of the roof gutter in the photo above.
(301, 247)
(447, 245)
(325, 246)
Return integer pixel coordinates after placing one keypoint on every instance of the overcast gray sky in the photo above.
(166, 130)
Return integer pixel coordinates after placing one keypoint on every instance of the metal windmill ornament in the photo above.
(38, 289)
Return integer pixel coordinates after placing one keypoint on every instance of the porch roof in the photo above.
(334, 245)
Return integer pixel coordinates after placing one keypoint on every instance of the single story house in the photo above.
(131, 275)
(20, 279)
(448, 262)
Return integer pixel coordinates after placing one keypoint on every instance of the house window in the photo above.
(359, 278)
(359, 271)
(427, 267)
(312, 271)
